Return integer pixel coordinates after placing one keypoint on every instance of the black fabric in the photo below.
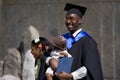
(42, 70)
(76, 9)
(85, 53)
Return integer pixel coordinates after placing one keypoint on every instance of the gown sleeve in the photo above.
(91, 59)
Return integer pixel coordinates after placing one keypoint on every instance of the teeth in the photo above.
(70, 25)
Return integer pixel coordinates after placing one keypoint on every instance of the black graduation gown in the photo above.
(85, 53)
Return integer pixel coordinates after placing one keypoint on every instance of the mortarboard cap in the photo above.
(76, 9)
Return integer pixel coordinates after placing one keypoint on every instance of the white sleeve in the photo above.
(80, 73)
(69, 55)
(54, 53)
(47, 60)
(50, 71)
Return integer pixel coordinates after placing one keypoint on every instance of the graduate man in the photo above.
(81, 46)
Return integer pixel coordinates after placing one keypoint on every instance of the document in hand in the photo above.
(64, 64)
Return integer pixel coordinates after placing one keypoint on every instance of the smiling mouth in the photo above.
(69, 26)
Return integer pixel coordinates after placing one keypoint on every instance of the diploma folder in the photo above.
(64, 64)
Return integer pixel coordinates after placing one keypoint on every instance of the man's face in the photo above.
(73, 22)
(37, 52)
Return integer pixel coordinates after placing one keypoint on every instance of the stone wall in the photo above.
(101, 21)
(1, 41)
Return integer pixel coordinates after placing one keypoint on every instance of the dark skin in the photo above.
(37, 52)
(73, 23)
(54, 63)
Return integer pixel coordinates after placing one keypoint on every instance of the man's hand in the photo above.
(63, 75)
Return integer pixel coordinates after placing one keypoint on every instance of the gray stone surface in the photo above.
(12, 63)
(9, 77)
(28, 35)
(117, 40)
(1, 37)
(1, 68)
(29, 61)
(28, 66)
(47, 16)
(107, 39)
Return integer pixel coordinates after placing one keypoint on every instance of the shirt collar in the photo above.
(76, 32)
